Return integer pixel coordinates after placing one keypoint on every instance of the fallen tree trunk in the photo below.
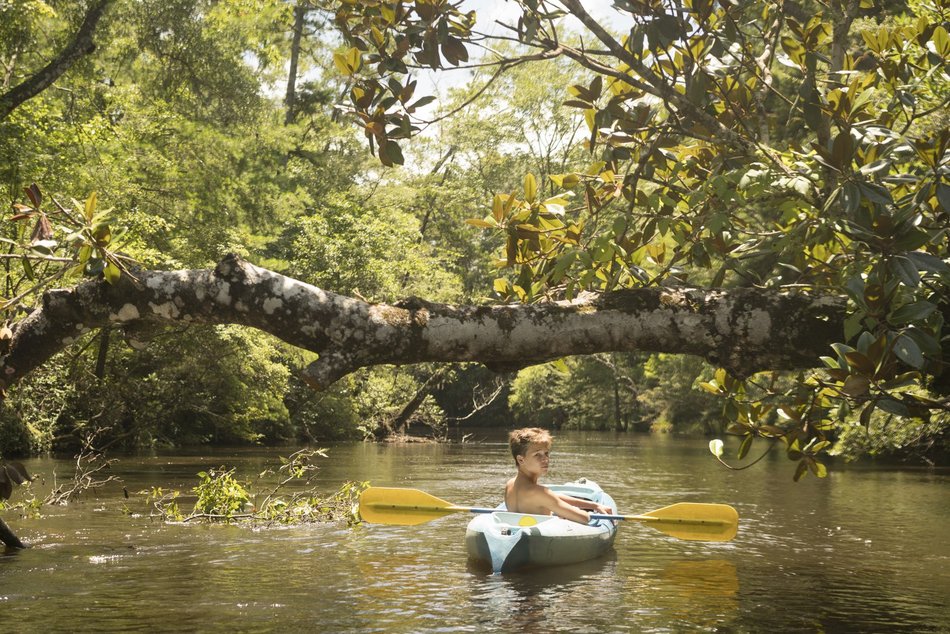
(742, 330)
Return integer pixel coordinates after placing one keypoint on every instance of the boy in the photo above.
(531, 449)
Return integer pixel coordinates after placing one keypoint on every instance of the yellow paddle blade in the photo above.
(693, 521)
(403, 507)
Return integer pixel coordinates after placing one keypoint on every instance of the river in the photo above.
(863, 550)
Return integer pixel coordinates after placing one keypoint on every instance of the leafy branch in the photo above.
(222, 497)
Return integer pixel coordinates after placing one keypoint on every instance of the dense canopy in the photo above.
(661, 160)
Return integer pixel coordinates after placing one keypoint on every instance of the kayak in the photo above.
(514, 540)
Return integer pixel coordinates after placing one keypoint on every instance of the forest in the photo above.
(283, 221)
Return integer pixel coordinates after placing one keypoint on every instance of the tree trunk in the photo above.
(618, 418)
(743, 330)
(290, 101)
(400, 423)
(103, 354)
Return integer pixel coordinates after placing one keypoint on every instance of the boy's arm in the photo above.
(587, 505)
(556, 504)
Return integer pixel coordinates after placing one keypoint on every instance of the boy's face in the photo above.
(536, 459)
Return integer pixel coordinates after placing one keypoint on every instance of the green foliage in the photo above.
(597, 392)
(794, 146)
(616, 391)
(670, 398)
(327, 415)
(797, 147)
(379, 395)
(926, 441)
(198, 385)
(222, 497)
(213, 384)
(30, 414)
(173, 121)
(358, 248)
(220, 494)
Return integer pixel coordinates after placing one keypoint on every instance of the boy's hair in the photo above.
(519, 440)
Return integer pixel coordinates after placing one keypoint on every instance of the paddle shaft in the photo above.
(593, 516)
(647, 518)
(631, 518)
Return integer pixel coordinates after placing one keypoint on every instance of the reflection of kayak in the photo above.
(512, 540)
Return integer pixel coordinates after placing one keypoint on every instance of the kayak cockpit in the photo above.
(512, 540)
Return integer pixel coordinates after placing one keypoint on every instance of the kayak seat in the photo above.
(520, 519)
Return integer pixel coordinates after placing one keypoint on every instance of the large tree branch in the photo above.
(81, 45)
(744, 330)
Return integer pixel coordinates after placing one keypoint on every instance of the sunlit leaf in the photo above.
(90, 206)
(530, 187)
(111, 272)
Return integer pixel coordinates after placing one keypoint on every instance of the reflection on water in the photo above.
(702, 592)
(856, 552)
(559, 598)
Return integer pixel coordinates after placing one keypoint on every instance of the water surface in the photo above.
(864, 550)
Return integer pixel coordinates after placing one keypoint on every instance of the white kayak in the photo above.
(512, 540)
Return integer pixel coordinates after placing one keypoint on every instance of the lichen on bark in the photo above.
(743, 330)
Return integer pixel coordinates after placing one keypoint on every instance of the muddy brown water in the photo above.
(864, 550)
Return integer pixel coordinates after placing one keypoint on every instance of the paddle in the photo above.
(685, 520)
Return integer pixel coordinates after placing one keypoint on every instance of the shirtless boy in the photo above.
(531, 449)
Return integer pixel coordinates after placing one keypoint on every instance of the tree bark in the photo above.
(290, 100)
(81, 45)
(743, 330)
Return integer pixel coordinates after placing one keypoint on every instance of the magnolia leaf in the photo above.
(745, 446)
(422, 101)
(800, 470)
(112, 272)
(90, 206)
(909, 352)
(856, 385)
(914, 311)
(391, 154)
(716, 447)
(530, 188)
(34, 194)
